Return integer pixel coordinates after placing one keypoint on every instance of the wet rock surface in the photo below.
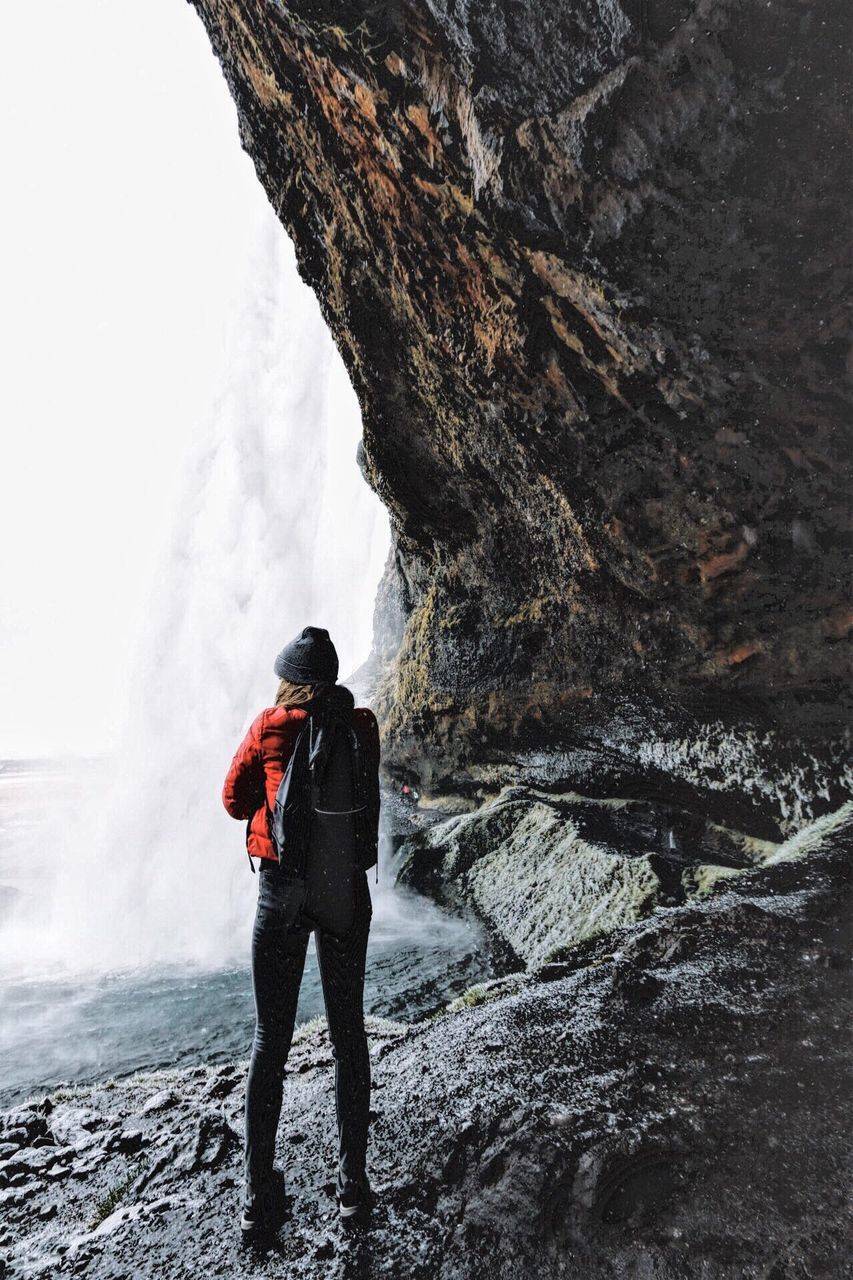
(668, 1101)
(546, 871)
(585, 264)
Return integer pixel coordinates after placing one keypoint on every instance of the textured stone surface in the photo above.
(585, 264)
(669, 1102)
(532, 873)
(545, 872)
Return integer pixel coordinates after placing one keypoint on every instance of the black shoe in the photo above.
(354, 1196)
(264, 1210)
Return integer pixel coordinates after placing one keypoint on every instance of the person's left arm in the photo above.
(243, 792)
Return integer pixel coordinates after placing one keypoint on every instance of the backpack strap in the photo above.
(301, 747)
(358, 788)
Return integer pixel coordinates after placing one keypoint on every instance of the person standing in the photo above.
(307, 668)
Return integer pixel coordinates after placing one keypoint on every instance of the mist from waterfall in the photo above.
(180, 497)
(274, 528)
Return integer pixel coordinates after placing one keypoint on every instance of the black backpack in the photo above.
(324, 825)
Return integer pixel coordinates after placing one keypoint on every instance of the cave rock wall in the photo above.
(584, 264)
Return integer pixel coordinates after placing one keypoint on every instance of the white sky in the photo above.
(127, 226)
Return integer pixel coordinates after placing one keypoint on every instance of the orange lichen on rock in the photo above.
(365, 101)
(733, 657)
(419, 117)
(723, 563)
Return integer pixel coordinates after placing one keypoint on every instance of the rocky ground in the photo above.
(544, 871)
(668, 1100)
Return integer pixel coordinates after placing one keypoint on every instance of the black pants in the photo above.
(279, 945)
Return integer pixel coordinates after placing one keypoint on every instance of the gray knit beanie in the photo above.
(308, 659)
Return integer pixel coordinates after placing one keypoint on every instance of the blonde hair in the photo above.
(296, 695)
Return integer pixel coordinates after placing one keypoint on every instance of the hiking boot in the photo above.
(264, 1209)
(354, 1196)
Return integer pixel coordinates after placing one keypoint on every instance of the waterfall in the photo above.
(273, 529)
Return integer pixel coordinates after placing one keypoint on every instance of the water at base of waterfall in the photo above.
(73, 1027)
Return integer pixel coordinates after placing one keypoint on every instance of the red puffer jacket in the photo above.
(260, 761)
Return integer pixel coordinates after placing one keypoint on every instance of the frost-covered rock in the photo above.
(545, 872)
